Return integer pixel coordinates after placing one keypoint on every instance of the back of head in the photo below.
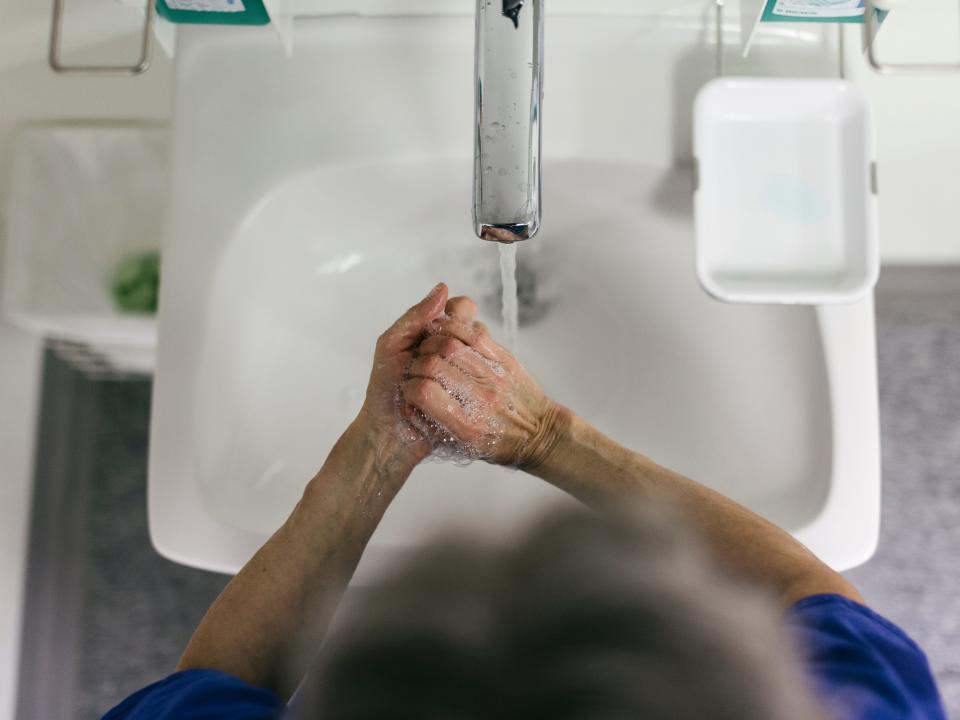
(587, 617)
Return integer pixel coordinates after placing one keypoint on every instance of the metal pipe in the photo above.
(509, 94)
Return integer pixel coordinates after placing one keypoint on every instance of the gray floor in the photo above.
(140, 609)
(120, 618)
(105, 614)
(914, 578)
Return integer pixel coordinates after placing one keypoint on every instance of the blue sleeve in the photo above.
(861, 664)
(199, 695)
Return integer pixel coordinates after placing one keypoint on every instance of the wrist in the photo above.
(366, 456)
(551, 434)
(392, 449)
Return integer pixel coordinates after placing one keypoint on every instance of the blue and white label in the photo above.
(207, 5)
(820, 9)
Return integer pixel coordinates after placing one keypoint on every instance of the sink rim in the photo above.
(846, 398)
(844, 534)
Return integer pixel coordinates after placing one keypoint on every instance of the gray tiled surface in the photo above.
(137, 610)
(105, 614)
(914, 578)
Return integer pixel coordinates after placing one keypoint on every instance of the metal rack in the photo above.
(138, 68)
(870, 28)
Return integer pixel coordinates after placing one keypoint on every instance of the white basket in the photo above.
(83, 197)
(786, 209)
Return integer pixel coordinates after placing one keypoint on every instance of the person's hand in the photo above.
(381, 411)
(463, 384)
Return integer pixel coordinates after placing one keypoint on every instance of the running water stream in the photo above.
(508, 277)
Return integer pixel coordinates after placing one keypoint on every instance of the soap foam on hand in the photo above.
(445, 445)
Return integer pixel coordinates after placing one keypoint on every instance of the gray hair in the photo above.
(620, 616)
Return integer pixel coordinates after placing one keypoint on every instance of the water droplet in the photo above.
(501, 172)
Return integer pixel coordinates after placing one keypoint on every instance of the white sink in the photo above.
(317, 198)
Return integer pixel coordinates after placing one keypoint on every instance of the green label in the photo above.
(833, 11)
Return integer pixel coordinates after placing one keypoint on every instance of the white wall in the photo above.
(19, 381)
(29, 90)
(918, 139)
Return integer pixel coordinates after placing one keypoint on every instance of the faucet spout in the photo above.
(509, 95)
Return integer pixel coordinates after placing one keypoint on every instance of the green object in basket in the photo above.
(136, 283)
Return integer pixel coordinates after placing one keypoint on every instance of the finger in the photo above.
(432, 400)
(407, 331)
(462, 356)
(451, 378)
(462, 307)
(474, 334)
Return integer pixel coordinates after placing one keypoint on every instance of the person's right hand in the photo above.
(474, 388)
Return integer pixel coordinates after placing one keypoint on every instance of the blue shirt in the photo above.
(861, 665)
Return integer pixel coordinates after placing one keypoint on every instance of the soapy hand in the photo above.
(393, 355)
(463, 387)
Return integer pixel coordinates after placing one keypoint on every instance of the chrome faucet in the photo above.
(509, 92)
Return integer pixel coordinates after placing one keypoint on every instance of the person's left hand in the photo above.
(394, 353)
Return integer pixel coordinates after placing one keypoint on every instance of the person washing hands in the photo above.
(659, 599)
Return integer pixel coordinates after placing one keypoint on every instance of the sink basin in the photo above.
(286, 257)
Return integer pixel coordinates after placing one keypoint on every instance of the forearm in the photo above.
(278, 606)
(600, 472)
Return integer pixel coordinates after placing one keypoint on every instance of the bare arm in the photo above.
(276, 610)
(598, 471)
(501, 407)
(287, 592)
